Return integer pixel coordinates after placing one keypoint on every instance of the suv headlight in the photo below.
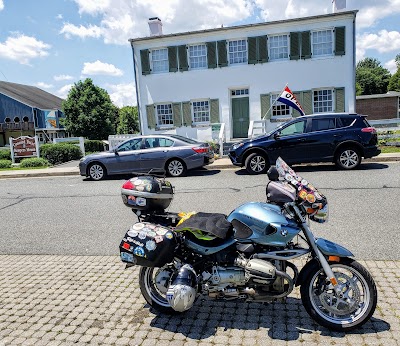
(237, 145)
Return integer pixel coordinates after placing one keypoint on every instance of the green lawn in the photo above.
(20, 169)
(389, 149)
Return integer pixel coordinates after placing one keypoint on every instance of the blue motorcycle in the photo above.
(246, 255)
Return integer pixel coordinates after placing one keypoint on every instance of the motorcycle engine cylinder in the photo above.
(257, 267)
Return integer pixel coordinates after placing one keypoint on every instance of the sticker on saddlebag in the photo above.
(139, 251)
(126, 257)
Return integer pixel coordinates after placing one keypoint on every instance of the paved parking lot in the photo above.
(78, 300)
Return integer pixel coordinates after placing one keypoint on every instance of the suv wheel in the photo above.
(256, 163)
(348, 158)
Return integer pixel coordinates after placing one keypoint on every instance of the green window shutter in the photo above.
(252, 50)
(305, 45)
(172, 60)
(265, 101)
(262, 49)
(151, 118)
(340, 40)
(297, 95)
(211, 55)
(145, 61)
(183, 60)
(187, 113)
(222, 54)
(294, 46)
(177, 112)
(339, 93)
(307, 102)
(214, 111)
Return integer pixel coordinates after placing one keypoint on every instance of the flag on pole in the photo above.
(289, 99)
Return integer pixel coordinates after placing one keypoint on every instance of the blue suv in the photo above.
(341, 138)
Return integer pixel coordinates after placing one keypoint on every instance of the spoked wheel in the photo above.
(348, 158)
(176, 168)
(256, 164)
(96, 171)
(154, 284)
(345, 311)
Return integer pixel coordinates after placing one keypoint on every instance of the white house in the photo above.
(187, 81)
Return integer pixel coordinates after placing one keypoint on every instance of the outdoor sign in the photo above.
(215, 128)
(51, 119)
(24, 146)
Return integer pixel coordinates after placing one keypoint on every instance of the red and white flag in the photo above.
(288, 98)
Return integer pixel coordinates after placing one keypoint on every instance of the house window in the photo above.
(322, 42)
(279, 109)
(164, 114)
(278, 47)
(239, 92)
(7, 120)
(198, 56)
(159, 60)
(237, 52)
(201, 111)
(323, 101)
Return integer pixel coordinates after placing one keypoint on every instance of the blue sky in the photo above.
(55, 43)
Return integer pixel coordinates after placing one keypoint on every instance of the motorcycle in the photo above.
(246, 255)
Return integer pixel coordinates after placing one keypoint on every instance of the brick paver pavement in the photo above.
(80, 300)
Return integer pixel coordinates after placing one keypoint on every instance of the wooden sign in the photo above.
(24, 146)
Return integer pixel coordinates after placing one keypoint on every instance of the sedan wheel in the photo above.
(176, 168)
(256, 164)
(348, 158)
(96, 172)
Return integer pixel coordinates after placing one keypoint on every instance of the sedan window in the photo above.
(133, 144)
(295, 128)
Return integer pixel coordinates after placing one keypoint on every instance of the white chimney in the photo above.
(155, 26)
(338, 5)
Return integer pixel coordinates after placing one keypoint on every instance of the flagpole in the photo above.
(263, 118)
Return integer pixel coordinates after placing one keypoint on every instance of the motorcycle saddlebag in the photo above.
(148, 245)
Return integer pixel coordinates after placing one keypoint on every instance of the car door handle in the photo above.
(337, 135)
(301, 140)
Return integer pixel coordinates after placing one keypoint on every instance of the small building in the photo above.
(28, 111)
(379, 106)
(186, 82)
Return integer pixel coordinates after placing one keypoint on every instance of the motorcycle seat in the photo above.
(206, 226)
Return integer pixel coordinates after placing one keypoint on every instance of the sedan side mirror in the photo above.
(277, 135)
(116, 151)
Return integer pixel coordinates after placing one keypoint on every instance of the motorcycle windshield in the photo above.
(310, 197)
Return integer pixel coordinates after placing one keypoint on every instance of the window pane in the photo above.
(237, 52)
(159, 60)
(198, 56)
(278, 47)
(322, 42)
(323, 101)
(133, 144)
(322, 124)
(292, 129)
(164, 114)
(201, 111)
(279, 108)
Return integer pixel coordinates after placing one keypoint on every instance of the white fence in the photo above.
(72, 139)
(115, 140)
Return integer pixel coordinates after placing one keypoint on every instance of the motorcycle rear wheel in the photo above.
(355, 306)
(153, 284)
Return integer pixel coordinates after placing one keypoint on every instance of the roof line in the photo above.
(132, 40)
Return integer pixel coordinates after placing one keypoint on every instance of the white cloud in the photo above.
(100, 68)
(81, 31)
(59, 16)
(63, 92)
(391, 66)
(62, 77)
(43, 85)
(122, 94)
(383, 42)
(1, 5)
(92, 7)
(23, 48)
(372, 11)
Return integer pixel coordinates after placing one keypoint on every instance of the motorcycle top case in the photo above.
(148, 245)
(147, 193)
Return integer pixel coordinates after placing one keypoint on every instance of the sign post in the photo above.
(24, 146)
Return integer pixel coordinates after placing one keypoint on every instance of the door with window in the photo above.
(127, 157)
(240, 113)
(155, 153)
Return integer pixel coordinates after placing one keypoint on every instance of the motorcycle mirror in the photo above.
(273, 174)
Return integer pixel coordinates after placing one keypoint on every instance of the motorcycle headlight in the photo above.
(321, 215)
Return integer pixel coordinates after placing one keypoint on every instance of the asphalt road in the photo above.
(71, 216)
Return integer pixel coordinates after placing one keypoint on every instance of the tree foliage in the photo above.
(128, 120)
(394, 82)
(89, 111)
(372, 77)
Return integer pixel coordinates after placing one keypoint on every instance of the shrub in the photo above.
(93, 146)
(5, 154)
(60, 152)
(5, 163)
(214, 146)
(34, 162)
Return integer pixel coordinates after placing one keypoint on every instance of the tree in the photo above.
(372, 77)
(89, 111)
(128, 121)
(394, 82)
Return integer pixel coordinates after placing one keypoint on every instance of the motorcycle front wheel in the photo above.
(349, 309)
(153, 284)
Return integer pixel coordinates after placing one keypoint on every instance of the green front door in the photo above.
(240, 117)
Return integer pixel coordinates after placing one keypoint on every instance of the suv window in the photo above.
(345, 122)
(323, 124)
(297, 127)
